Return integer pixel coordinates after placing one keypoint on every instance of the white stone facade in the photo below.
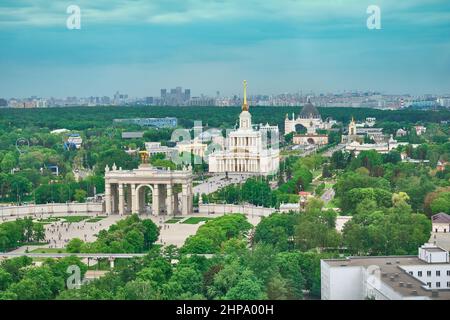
(126, 191)
(246, 150)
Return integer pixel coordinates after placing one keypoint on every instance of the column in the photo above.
(108, 198)
(155, 204)
(191, 199)
(129, 200)
(184, 200)
(114, 196)
(175, 203)
(162, 199)
(121, 199)
(169, 200)
(111, 263)
(134, 204)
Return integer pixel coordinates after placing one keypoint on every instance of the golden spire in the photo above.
(245, 104)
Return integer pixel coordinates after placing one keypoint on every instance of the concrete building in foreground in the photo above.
(422, 277)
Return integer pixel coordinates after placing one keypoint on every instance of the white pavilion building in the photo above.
(247, 150)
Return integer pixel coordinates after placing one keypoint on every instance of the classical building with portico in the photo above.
(246, 149)
(148, 190)
(309, 118)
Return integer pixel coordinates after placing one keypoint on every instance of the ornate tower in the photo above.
(245, 118)
(352, 128)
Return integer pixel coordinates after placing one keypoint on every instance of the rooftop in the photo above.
(309, 111)
(393, 274)
(435, 249)
(441, 218)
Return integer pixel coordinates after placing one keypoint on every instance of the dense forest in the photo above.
(81, 118)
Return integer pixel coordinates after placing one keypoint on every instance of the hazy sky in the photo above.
(140, 46)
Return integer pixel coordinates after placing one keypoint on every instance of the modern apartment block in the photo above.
(422, 277)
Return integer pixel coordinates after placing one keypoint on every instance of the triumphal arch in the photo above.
(159, 191)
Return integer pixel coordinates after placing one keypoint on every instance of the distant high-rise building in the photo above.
(105, 100)
(149, 100)
(175, 97)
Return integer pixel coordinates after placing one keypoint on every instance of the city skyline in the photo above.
(278, 46)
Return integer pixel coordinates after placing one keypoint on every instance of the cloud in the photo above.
(48, 13)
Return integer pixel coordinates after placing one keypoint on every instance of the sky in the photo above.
(138, 47)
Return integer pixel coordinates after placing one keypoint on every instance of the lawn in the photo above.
(96, 219)
(174, 220)
(73, 219)
(48, 220)
(195, 220)
(48, 250)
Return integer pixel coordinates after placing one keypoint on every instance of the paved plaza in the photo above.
(59, 233)
(219, 181)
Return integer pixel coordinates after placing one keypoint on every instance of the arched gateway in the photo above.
(132, 191)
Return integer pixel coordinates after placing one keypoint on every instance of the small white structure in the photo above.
(382, 148)
(154, 148)
(195, 147)
(59, 131)
(431, 253)
(422, 277)
(440, 223)
(75, 139)
(420, 130)
(369, 122)
(401, 133)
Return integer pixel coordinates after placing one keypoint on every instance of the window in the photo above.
(429, 284)
(448, 284)
(411, 273)
(438, 273)
(428, 273)
(448, 272)
(419, 273)
(438, 284)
